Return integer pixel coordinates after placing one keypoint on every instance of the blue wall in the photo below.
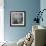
(43, 6)
(30, 6)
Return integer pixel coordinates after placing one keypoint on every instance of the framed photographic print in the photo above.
(17, 18)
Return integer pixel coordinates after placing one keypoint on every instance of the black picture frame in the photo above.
(17, 18)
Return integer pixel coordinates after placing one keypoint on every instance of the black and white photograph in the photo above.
(17, 18)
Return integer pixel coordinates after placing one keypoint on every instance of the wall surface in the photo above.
(30, 6)
(43, 6)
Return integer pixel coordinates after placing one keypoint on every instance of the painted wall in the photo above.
(30, 6)
(43, 6)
